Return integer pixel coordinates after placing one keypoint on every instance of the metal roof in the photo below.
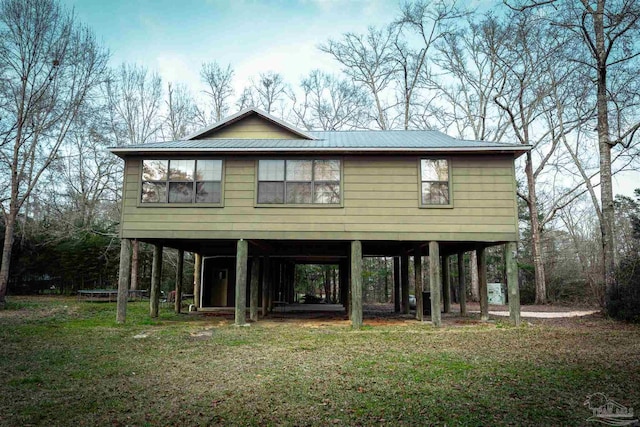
(396, 141)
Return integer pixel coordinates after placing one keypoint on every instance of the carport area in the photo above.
(258, 276)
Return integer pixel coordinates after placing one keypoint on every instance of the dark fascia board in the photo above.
(517, 151)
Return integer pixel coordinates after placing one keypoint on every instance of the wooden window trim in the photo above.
(167, 181)
(313, 184)
(422, 205)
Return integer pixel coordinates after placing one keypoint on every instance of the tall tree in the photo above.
(466, 81)
(329, 103)
(49, 63)
(368, 59)
(218, 81)
(430, 21)
(180, 113)
(526, 53)
(270, 89)
(246, 98)
(135, 100)
(604, 36)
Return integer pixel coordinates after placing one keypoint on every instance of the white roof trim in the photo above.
(246, 112)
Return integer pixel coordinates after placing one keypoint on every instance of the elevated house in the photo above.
(252, 196)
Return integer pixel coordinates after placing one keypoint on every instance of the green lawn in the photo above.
(65, 362)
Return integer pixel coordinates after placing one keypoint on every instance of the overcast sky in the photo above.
(174, 37)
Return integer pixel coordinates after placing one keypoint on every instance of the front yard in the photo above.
(66, 362)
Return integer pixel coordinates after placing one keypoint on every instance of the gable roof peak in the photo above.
(245, 113)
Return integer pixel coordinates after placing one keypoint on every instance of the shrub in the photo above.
(623, 302)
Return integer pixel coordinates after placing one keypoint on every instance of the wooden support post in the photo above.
(197, 279)
(273, 283)
(156, 275)
(475, 288)
(124, 277)
(134, 265)
(404, 282)
(417, 270)
(356, 284)
(512, 282)
(446, 285)
(266, 284)
(179, 270)
(462, 289)
(396, 284)
(241, 282)
(254, 284)
(482, 283)
(435, 282)
(292, 282)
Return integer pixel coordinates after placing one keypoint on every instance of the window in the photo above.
(434, 175)
(299, 182)
(181, 181)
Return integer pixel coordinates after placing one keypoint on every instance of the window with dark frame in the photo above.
(434, 174)
(181, 181)
(295, 182)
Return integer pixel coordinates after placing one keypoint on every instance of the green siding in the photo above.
(380, 202)
(251, 127)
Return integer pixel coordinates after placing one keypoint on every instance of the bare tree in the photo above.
(604, 37)
(582, 226)
(430, 21)
(135, 99)
(180, 113)
(329, 103)
(466, 82)
(219, 87)
(88, 177)
(269, 89)
(48, 66)
(526, 52)
(246, 99)
(368, 59)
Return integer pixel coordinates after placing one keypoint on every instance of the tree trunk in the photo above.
(124, 275)
(334, 287)
(327, 284)
(536, 234)
(606, 188)
(7, 248)
(386, 281)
